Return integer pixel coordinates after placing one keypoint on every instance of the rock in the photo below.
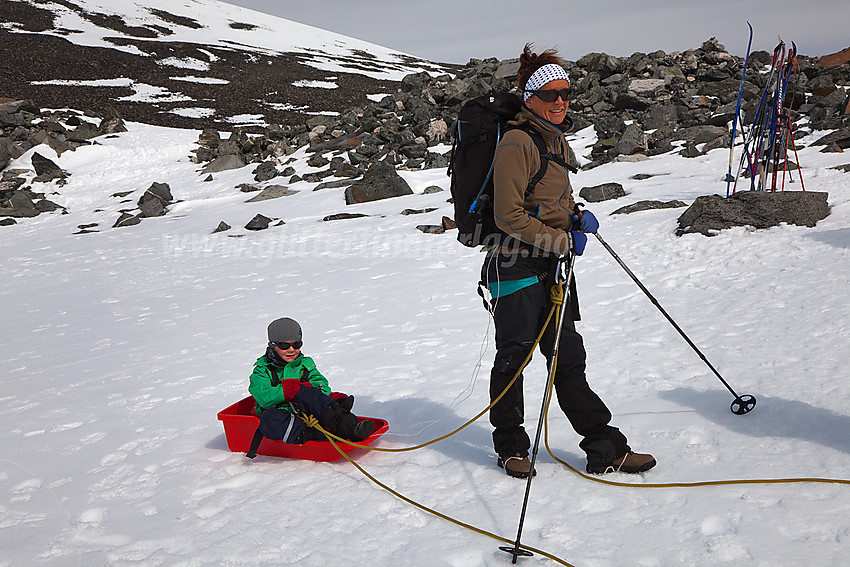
(265, 171)
(406, 212)
(126, 219)
(379, 182)
(646, 87)
(332, 184)
(223, 163)
(259, 222)
(272, 192)
(344, 216)
(834, 59)
(209, 138)
(841, 138)
(8, 222)
(112, 123)
(45, 169)
(154, 200)
(759, 209)
(647, 206)
(82, 133)
(222, 227)
(632, 141)
(431, 228)
(603, 192)
(660, 115)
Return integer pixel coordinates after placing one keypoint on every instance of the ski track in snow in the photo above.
(121, 346)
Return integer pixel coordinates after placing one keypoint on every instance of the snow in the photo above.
(121, 346)
(217, 24)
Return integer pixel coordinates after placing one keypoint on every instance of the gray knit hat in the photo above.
(285, 329)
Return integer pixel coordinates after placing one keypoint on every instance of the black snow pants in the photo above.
(518, 318)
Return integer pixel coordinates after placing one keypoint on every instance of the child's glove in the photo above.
(291, 387)
(344, 400)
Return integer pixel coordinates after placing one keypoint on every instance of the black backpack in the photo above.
(480, 125)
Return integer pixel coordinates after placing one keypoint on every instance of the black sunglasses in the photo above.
(551, 95)
(286, 346)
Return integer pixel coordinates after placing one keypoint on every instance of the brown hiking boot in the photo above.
(631, 463)
(517, 467)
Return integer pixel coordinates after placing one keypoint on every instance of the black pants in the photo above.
(518, 318)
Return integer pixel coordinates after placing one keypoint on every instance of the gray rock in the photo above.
(272, 192)
(209, 138)
(759, 209)
(344, 216)
(154, 200)
(126, 219)
(45, 169)
(841, 138)
(223, 163)
(379, 182)
(431, 228)
(8, 222)
(222, 227)
(265, 171)
(603, 192)
(647, 206)
(259, 222)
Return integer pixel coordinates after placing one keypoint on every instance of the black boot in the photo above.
(345, 424)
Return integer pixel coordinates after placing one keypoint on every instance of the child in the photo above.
(283, 377)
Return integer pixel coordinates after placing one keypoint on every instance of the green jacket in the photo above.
(270, 395)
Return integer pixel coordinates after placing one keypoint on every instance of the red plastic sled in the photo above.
(240, 423)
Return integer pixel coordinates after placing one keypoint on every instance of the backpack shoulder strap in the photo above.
(545, 156)
(275, 377)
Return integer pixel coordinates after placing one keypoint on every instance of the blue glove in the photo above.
(587, 222)
(578, 240)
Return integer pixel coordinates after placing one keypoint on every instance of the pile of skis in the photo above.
(771, 134)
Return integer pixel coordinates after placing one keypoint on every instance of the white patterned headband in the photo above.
(546, 73)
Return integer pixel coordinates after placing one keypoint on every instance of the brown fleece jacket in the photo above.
(542, 219)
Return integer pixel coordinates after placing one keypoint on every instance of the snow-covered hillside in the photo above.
(121, 345)
(190, 64)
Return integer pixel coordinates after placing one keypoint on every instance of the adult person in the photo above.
(539, 229)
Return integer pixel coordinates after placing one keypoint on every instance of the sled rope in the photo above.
(557, 296)
(440, 514)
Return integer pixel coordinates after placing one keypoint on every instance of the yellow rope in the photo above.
(435, 512)
(474, 419)
(557, 298)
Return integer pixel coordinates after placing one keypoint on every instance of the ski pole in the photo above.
(516, 551)
(738, 110)
(741, 404)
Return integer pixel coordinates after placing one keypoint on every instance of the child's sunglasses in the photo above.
(551, 95)
(286, 346)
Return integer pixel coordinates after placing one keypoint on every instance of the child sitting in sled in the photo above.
(285, 382)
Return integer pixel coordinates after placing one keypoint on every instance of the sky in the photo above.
(453, 32)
